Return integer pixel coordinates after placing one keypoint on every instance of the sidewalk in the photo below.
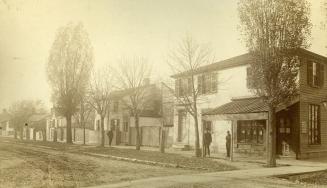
(223, 177)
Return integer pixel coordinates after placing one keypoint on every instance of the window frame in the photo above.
(314, 124)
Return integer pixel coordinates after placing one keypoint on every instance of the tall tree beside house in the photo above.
(68, 70)
(132, 74)
(100, 95)
(184, 61)
(273, 30)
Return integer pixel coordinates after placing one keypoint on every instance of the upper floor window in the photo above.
(314, 124)
(315, 74)
(183, 86)
(249, 78)
(116, 106)
(207, 83)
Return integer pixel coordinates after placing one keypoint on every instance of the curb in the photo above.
(171, 165)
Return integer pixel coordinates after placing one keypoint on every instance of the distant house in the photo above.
(227, 103)
(122, 122)
(37, 126)
(6, 127)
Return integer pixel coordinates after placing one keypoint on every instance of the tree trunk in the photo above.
(21, 133)
(34, 135)
(69, 130)
(271, 151)
(138, 138)
(83, 133)
(27, 132)
(54, 135)
(102, 131)
(197, 142)
(44, 135)
(15, 133)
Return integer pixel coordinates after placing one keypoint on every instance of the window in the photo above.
(207, 83)
(207, 126)
(315, 74)
(249, 78)
(183, 86)
(250, 132)
(116, 106)
(314, 124)
(98, 124)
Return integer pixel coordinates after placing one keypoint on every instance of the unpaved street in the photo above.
(25, 165)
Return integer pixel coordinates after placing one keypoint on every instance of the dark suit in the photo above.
(228, 143)
(207, 142)
(110, 135)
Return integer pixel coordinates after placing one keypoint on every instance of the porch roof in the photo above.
(240, 106)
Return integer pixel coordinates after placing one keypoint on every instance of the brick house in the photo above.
(301, 125)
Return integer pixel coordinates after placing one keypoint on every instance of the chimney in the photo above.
(146, 81)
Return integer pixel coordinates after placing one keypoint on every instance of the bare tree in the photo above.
(273, 30)
(100, 95)
(68, 70)
(184, 62)
(131, 75)
(83, 116)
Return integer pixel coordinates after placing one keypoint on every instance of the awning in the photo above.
(239, 109)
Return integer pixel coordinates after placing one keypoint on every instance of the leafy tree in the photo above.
(273, 30)
(20, 111)
(68, 70)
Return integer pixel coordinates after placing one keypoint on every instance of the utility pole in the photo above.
(162, 132)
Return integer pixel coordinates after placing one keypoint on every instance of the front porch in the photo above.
(248, 119)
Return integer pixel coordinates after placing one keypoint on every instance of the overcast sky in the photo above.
(116, 28)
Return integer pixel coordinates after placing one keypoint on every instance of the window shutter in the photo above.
(214, 82)
(189, 86)
(200, 84)
(321, 74)
(309, 74)
(177, 86)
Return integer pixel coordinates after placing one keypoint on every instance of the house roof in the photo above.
(240, 106)
(243, 59)
(125, 92)
(240, 60)
(37, 117)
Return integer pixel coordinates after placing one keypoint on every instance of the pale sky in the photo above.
(116, 28)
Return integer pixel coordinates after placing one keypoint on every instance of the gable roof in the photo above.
(240, 60)
(37, 117)
(243, 59)
(240, 106)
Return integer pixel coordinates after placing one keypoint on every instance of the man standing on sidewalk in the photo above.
(110, 135)
(207, 142)
(228, 142)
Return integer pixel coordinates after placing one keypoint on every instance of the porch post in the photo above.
(232, 141)
(267, 137)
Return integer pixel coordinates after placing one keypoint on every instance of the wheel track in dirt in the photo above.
(52, 162)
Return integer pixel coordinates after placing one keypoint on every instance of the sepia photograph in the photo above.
(163, 93)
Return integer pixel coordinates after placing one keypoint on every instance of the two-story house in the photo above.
(121, 121)
(301, 125)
